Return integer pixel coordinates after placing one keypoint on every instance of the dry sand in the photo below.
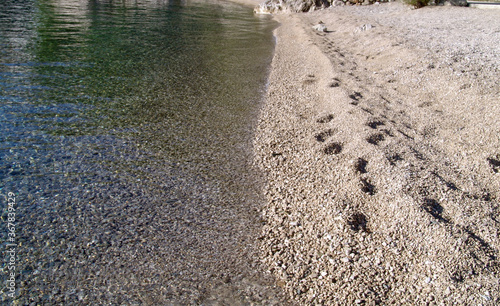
(379, 141)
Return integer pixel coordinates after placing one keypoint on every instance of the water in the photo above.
(126, 130)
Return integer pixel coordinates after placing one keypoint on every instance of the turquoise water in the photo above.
(126, 131)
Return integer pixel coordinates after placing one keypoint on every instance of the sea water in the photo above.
(125, 149)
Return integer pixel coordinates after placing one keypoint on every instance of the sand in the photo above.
(379, 143)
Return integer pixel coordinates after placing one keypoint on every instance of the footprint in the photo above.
(367, 187)
(388, 132)
(357, 221)
(356, 96)
(433, 208)
(458, 276)
(325, 119)
(310, 79)
(321, 137)
(375, 138)
(375, 124)
(335, 83)
(494, 163)
(360, 165)
(333, 148)
(394, 158)
(484, 196)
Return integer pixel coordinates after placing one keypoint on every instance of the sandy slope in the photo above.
(381, 152)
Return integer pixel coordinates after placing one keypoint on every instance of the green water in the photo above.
(126, 132)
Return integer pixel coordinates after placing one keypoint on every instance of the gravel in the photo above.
(381, 189)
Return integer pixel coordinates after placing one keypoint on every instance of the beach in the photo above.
(179, 153)
(379, 143)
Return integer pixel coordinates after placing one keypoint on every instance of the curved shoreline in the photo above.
(381, 156)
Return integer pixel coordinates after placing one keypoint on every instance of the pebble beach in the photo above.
(379, 145)
(364, 172)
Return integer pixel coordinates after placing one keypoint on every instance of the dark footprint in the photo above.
(367, 187)
(357, 222)
(388, 132)
(375, 124)
(360, 165)
(310, 79)
(375, 138)
(394, 158)
(333, 148)
(495, 164)
(335, 83)
(325, 119)
(321, 137)
(432, 207)
(485, 196)
(458, 276)
(356, 96)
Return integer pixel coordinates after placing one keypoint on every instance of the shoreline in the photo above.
(250, 3)
(379, 145)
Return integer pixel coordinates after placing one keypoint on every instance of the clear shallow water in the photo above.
(125, 136)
